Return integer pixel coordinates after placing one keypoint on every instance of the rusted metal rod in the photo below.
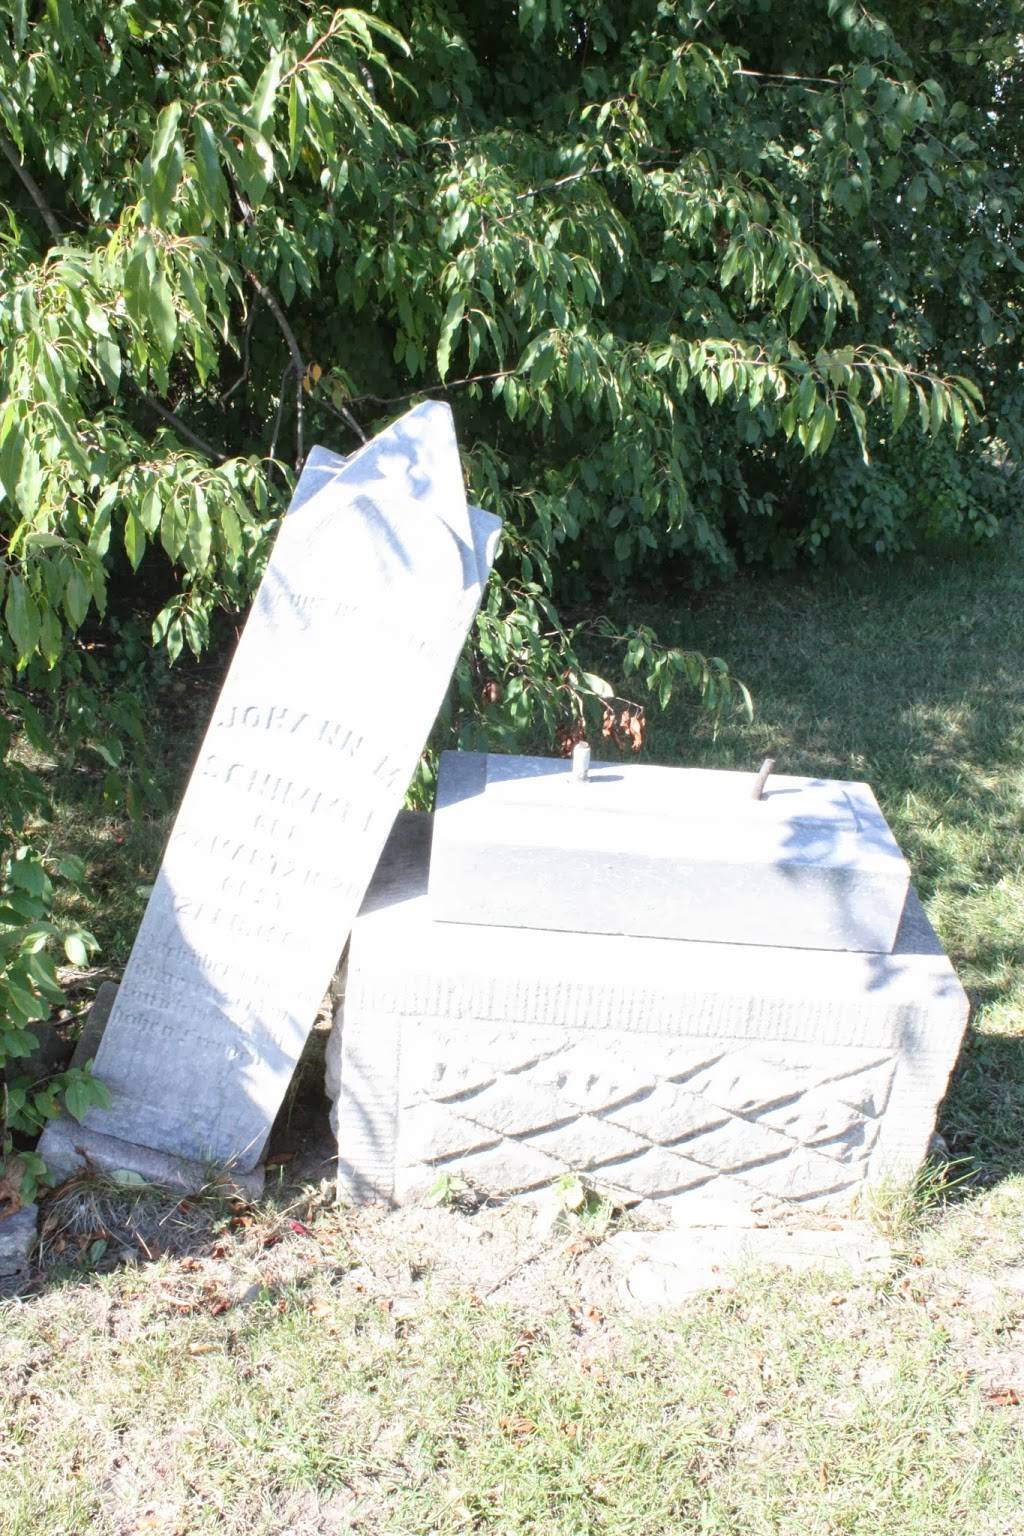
(762, 778)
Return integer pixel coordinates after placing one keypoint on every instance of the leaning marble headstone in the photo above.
(371, 587)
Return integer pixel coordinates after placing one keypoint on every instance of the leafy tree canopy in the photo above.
(705, 281)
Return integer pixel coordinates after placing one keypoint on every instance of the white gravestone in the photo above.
(677, 853)
(718, 1079)
(357, 625)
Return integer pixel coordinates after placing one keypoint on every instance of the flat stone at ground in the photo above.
(17, 1240)
(682, 853)
(664, 1269)
(715, 1080)
(355, 630)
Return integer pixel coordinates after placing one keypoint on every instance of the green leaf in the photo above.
(162, 315)
(199, 537)
(77, 596)
(11, 451)
(134, 538)
(30, 483)
(75, 950)
(173, 528)
(127, 1178)
(256, 163)
(266, 90)
(452, 320)
(296, 121)
(83, 1093)
(22, 614)
(598, 685)
(151, 509)
(231, 533)
(543, 365)
(166, 127)
(937, 411)
(108, 360)
(900, 400)
(208, 171)
(162, 168)
(51, 638)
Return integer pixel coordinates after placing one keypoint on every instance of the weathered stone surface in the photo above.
(88, 1042)
(69, 1147)
(680, 853)
(716, 1079)
(664, 1269)
(373, 581)
(17, 1240)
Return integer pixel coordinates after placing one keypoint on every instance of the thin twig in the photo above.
(246, 339)
(563, 181)
(436, 389)
(297, 363)
(32, 187)
(321, 42)
(280, 412)
(278, 313)
(175, 421)
(704, 18)
(342, 415)
(767, 74)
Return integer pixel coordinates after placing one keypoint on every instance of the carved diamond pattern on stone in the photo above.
(513, 1114)
(510, 1166)
(503, 1107)
(431, 1132)
(855, 1146)
(737, 1145)
(867, 1088)
(803, 1175)
(442, 1064)
(655, 1172)
(585, 1142)
(667, 1113)
(749, 1080)
(591, 1078)
(813, 1117)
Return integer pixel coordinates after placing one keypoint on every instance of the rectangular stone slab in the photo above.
(723, 1079)
(683, 853)
(371, 587)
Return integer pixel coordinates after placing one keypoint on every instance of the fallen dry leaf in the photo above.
(518, 1427)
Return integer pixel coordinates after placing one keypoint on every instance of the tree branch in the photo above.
(320, 43)
(174, 420)
(280, 412)
(246, 341)
(297, 363)
(32, 187)
(437, 389)
(766, 74)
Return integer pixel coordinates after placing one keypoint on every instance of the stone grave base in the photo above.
(721, 1078)
(70, 1148)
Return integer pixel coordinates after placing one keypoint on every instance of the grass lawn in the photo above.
(309, 1370)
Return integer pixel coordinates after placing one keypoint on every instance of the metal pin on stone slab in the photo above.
(581, 761)
(757, 793)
